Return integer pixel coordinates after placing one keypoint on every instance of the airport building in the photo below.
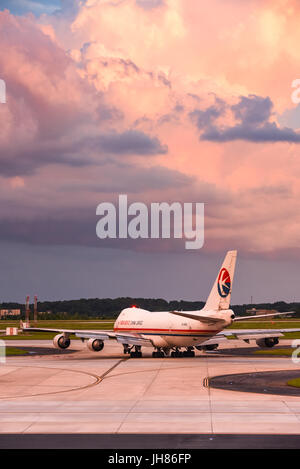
(258, 312)
(9, 312)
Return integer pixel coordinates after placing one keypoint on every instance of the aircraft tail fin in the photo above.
(219, 297)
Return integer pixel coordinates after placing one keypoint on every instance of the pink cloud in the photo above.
(72, 90)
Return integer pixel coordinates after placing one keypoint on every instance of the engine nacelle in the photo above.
(159, 341)
(207, 347)
(267, 342)
(95, 345)
(61, 341)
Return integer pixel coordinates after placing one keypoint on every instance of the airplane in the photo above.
(167, 332)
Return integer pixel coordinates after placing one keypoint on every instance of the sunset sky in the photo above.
(162, 100)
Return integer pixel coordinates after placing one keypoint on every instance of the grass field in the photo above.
(271, 324)
(294, 382)
(11, 351)
(287, 352)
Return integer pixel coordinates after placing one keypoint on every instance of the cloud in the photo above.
(131, 179)
(252, 123)
(48, 103)
(64, 212)
(268, 132)
(95, 108)
(205, 118)
(53, 115)
(252, 110)
(131, 142)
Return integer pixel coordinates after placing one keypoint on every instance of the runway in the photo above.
(107, 392)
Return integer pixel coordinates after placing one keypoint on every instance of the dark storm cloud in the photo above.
(269, 132)
(65, 227)
(204, 119)
(28, 159)
(130, 179)
(88, 151)
(55, 224)
(131, 142)
(252, 115)
(252, 110)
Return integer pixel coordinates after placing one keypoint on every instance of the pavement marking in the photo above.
(206, 382)
(98, 379)
(143, 400)
(113, 367)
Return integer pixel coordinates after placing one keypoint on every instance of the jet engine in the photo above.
(267, 342)
(95, 345)
(61, 341)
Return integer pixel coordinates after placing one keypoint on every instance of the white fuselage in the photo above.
(166, 329)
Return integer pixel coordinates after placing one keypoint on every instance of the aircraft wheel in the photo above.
(135, 354)
(158, 354)
(189, 353)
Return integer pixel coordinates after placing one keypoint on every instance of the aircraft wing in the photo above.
(246, 335)
(125, 338)
(245, 318)
(252, 334)
(206, 319)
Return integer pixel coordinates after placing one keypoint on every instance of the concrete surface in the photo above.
(104, 392)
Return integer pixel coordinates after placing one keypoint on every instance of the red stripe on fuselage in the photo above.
(128, 329)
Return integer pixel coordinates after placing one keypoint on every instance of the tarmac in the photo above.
(106, 392)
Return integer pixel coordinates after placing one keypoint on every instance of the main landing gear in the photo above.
(159, 353)
(189, 352)
(136, 353)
